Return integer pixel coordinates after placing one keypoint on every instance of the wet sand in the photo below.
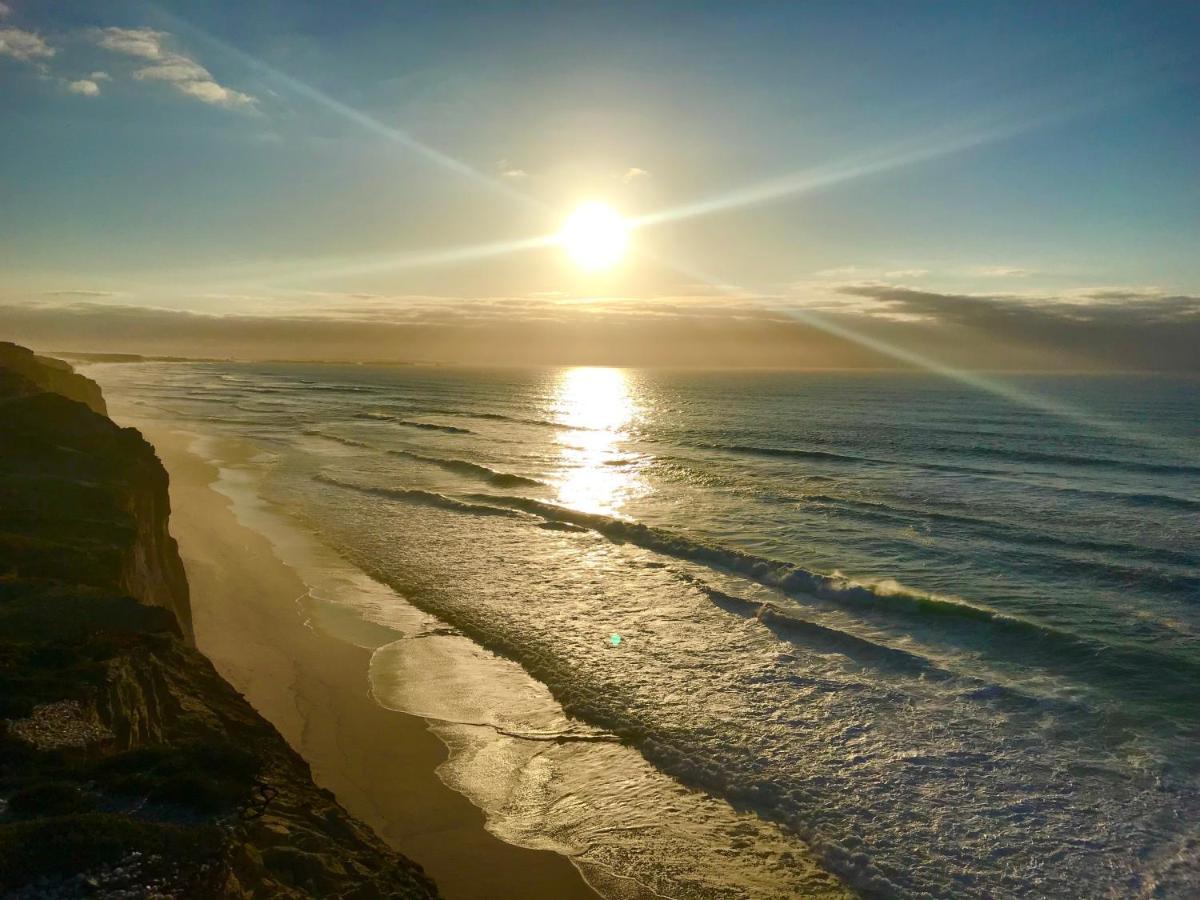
(313, 687)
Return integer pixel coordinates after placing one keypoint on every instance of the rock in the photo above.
(162, 772)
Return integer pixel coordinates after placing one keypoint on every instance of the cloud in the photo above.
(1104, 328)
(1098, 329)
(1001, 271)
(906, 273)
(479, 331)
(100, 76)
(633, 173)
(181, 72)
(80, 293)
(145, 43)
(842, 272)
(508, 170)
(24, 45)
(84, 86)
(5, 9)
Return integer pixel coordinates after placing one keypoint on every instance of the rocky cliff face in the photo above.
(52, 375)
(84, 501)
(128, 767)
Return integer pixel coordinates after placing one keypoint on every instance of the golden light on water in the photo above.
(598, 408)
(595, 236)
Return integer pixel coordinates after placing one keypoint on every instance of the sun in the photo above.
(595, 236)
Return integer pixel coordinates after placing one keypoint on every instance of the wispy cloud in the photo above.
(1001, 271)
(633, 173)
(181, 72)
(906, 273)
(510, 170)
(145, 43)
(5, 9)
(80, 292)
(26, 46)
(842, 272)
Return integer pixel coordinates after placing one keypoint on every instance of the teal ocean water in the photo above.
(949, 637)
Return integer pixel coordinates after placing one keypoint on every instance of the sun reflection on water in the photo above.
(598, 409)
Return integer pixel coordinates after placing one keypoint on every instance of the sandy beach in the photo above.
(313, 687)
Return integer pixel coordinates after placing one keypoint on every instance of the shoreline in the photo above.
(433, 737)
(313, 686)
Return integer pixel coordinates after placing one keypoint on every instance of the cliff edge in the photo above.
(128, 766)
(54, 375)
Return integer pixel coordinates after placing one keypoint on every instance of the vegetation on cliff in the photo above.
(128, 766)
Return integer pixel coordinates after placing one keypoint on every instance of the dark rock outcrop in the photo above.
(84, 502)
(52, 375)
(128, 766)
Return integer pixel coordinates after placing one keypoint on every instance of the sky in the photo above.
(979, 185)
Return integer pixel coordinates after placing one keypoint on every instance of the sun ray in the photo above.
(358, 117)
(919, 361)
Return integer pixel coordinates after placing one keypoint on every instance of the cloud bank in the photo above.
(1097, 330)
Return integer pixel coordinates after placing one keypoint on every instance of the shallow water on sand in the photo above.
(949, 639)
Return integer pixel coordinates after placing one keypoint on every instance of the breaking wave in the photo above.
(1128, 670)
(409, 423)
(422, 498)
(459, 466)
(463, 467)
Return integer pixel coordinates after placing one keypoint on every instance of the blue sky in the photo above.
(229, 161)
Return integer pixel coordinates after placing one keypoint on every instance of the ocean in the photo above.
(692, 628)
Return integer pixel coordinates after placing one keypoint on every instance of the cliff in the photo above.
(84, 502)
(52, 375)
(128, 767)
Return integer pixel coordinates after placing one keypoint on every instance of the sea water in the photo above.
(945, 635)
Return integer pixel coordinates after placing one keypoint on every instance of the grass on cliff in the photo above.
(194, 779)
(62, 846)
(206, 776)
(69, 812)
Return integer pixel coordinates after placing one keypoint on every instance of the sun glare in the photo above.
(595, 236)
(597, 408)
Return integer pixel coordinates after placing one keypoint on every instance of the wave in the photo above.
(497, 417)
(776, 574)
(422, 498)
(990, 452)
(1072, 459)
(459, 466)
(1158, 678)
(463, 467)
(349, 442)
(1136, 498)
(1140, 498)
(789, 626)
(408, 423)
(338, 388)
(830, 456)
(1005, 532)
(789, 452)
